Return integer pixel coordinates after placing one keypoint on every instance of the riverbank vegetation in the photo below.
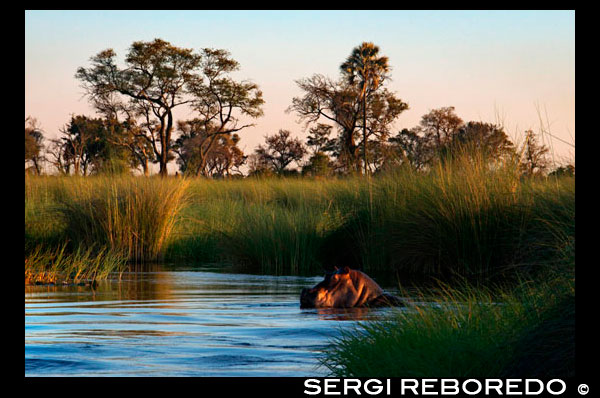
(521, 324)
(46, 266)
(510, 238)
(461, 218)
(446, 200)
(469, 331)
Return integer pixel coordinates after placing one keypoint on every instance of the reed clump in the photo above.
(82, 266)
(523, 327)
(466, 215)
(133, 216)
(465, 331)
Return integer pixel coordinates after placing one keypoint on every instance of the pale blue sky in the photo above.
(484, 63)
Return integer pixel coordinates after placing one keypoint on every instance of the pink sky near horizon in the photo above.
(451, 59)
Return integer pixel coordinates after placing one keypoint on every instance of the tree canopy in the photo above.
(159, 77)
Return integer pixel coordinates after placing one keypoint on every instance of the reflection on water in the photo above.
(180, 324)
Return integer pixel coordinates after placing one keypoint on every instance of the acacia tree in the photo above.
(365, 64)
(224, 158)
(220, 101)
(160, 77)
(281, 150)
(157, 76)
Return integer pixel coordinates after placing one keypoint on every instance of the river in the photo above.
(180, 323)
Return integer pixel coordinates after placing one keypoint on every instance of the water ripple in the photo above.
(178, 324)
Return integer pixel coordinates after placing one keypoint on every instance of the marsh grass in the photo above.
(511, 244)
(262, 225)
(462, 218)
(133, 216)
(464, 331)
(55, 266)
(467, 216)
(276, 239)
(525, 328)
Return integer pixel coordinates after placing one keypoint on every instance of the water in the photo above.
(180, 323)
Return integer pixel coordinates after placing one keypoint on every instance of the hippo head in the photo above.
(322, 295)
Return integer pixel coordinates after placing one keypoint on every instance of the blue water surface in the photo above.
(180, 323)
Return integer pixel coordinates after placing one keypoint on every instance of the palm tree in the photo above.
(365, 63)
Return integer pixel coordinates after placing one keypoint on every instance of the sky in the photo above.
(511, 67)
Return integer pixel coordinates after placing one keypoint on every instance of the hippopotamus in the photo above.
(345, 288)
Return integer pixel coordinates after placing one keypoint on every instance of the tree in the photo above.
(161, 77)
(223, 159)
(85, 147)
(258, 166)
(436, 134)
(335, 102)
(129, 134)
(318, 138)
(442, 133)
(487, 138)
(109, 152)
(58, 156)
(226, 158)
(155, 78)
(339, 102)
(220, 101)
(534, 159)
(319, 164)
(412, 148)
(439, 126)
(77, 137)
(563, 171)
(34, 146)
(365, 64)
(280, 151)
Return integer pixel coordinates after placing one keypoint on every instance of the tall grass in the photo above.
(44, 265)
(463, 217)
(276, 239)
(263, 225)
(466, 216)
(465, 332)
(522, 329)
(133, 216)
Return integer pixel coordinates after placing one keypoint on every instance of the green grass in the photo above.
(44, 265)
(465, 332)
(461, 218)
(522, 329)
(132, 216)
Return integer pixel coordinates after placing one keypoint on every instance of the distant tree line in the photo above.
(349, 122)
